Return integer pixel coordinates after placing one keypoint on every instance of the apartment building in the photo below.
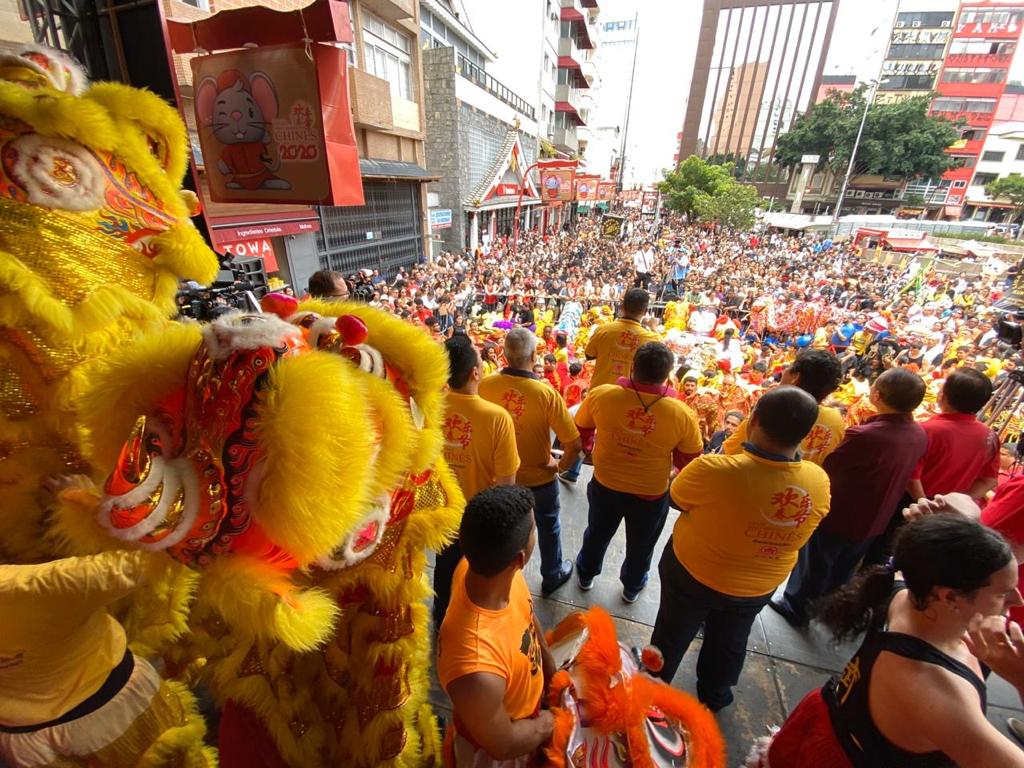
(481, 136)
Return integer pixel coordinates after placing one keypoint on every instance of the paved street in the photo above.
(783, 664)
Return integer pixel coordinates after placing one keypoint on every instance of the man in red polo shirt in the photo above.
(962, 454)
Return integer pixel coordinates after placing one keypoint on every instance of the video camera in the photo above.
(232, 290)
(1009, 333)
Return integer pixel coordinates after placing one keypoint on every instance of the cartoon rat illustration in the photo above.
(239, 109)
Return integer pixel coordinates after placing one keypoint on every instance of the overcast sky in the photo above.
(668, 42)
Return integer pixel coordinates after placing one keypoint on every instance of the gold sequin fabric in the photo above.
(71, 257)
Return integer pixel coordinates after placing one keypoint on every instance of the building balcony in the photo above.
(586, 30)
(567, 99)
(370, 100)
(565, 139)
(569, 55)
(393, 11)
(966, 146)
(480, 78)
(588, 68)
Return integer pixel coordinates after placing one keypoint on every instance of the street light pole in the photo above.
(853, 155)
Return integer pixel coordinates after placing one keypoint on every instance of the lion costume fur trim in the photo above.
(623, 708)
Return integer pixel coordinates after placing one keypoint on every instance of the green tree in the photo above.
(692, 178)
(1009, 188)
(734, 162)
(731, 206)
(899, 139)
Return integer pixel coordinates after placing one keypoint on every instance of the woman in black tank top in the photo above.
(912, 696)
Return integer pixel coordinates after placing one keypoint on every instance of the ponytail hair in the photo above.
(944, 550)
(851, 609)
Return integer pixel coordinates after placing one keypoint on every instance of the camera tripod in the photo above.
(1002, 409)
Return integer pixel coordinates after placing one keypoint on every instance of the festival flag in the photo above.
(557, 179)
(586, 188)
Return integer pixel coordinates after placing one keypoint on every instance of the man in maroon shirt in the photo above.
(868, 473)
(962, 454)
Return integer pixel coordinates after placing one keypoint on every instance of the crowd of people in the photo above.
(798, 404)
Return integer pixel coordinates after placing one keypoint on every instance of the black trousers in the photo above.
(444, 570)
(643, 279)
(686, 604)
(826, 562)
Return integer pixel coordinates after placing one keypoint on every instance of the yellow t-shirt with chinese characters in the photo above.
(744, 518)
(824, 437)
(479, 442)
(613, 346)
(503, 643)
(637, 433)
(58, 644)
(536, 409)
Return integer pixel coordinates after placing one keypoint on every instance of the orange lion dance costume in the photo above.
(609, 713)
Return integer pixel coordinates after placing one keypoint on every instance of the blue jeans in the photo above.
(645, 520)
(826, 562)
(686, 603)
(546, 508)
(573, 472)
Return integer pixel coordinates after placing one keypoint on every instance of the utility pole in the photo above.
(870, 97)
(629, 101)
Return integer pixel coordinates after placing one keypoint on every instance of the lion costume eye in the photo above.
(157, 148)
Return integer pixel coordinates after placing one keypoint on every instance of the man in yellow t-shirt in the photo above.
(491, 656)
(537, 410)
(644, 430)
(818, 373)
(479, 446)
(744, 519)
(613, 344)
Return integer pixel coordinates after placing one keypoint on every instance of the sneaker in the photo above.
(787, 613)
(585, 584)
(565, 478)
(631, 597)
(564, 576)
(1016, 727)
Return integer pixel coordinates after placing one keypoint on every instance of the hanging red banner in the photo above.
(557, 183)
(586, 188)
(275, 125)
(606, 191)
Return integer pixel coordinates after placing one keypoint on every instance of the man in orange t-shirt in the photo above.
(492, 659)
(479, 446)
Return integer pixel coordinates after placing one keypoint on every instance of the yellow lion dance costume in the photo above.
(295, 462)
(295, 469)
(94, 237)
